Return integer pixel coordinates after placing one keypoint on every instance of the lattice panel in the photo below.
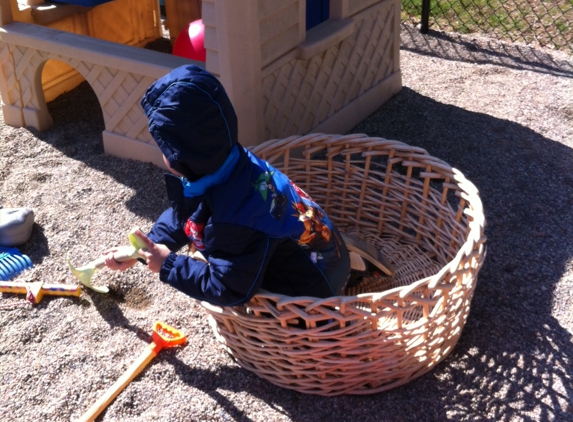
(11, 88)
(26, 61)
(303, 93)
(118, 92)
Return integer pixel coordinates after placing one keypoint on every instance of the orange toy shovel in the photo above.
(163, 336)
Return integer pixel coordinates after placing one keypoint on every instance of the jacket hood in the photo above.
(192, 120)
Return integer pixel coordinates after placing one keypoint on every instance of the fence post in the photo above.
(425, 16)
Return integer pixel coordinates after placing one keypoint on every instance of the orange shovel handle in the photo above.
(163, 336)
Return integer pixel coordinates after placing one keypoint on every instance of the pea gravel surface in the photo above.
(500, 113)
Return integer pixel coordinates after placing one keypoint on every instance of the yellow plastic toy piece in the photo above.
(125, 253)
(35, 291)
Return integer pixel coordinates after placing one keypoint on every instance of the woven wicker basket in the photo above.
(427, 219)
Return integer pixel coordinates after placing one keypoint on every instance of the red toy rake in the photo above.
(163, 336)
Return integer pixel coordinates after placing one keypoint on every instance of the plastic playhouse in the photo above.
(126, 22)
(283, 78)
(290, 71)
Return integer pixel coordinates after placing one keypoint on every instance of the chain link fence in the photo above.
(540, 23)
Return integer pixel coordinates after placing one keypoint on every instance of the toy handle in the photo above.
(163, 336)
(14, 287)
(104, 401)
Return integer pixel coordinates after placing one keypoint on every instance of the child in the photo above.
(253, 226)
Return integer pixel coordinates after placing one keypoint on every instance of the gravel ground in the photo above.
(500, 113)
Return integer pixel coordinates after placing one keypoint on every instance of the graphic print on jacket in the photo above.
(194, 232)
(306, 210)
(303, 215)
(252, 236)
(264, 185)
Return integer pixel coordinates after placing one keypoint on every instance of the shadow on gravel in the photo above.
(514, 359)
(37, 246)
(77, 133)
(513, 355)
(465, 48)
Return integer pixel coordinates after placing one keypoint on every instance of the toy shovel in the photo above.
(84, 274)
(163, 336)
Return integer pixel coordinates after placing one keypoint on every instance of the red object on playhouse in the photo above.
(190, 43)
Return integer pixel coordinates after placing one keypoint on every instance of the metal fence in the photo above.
(540, 23)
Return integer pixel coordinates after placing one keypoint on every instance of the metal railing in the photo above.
(540, 23)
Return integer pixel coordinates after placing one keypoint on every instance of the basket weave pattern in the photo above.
(427, 219)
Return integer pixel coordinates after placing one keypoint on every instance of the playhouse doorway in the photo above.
(59, 77)
(75, 110)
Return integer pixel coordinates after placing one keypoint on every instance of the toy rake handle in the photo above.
(53, 289)
(174, 338)
(104, 401)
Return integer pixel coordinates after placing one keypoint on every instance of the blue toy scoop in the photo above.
(12, 263)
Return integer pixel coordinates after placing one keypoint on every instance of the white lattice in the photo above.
(119, 90)
(10, 84)
(304, 93)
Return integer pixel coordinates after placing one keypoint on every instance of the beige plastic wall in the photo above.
(284, 80)
(129, 22)
(234, 56)
(118, 74)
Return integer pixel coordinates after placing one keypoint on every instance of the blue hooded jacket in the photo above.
(254, 227)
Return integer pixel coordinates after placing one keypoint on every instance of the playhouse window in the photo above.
(317, 11)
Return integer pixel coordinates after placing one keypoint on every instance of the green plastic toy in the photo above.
(124, 253)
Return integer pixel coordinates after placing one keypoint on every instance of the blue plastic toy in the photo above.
(86, 3)
(12, 263)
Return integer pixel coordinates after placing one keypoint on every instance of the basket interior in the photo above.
(398, 200)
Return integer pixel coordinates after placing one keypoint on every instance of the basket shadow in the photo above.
(227, 381)
(513, 357)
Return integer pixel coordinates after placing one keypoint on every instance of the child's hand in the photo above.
(154, 253)
(112, 264)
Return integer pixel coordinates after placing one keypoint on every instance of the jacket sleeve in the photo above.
(168, 231)
(234, 271)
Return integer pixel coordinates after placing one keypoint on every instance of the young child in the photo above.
(253, 226)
